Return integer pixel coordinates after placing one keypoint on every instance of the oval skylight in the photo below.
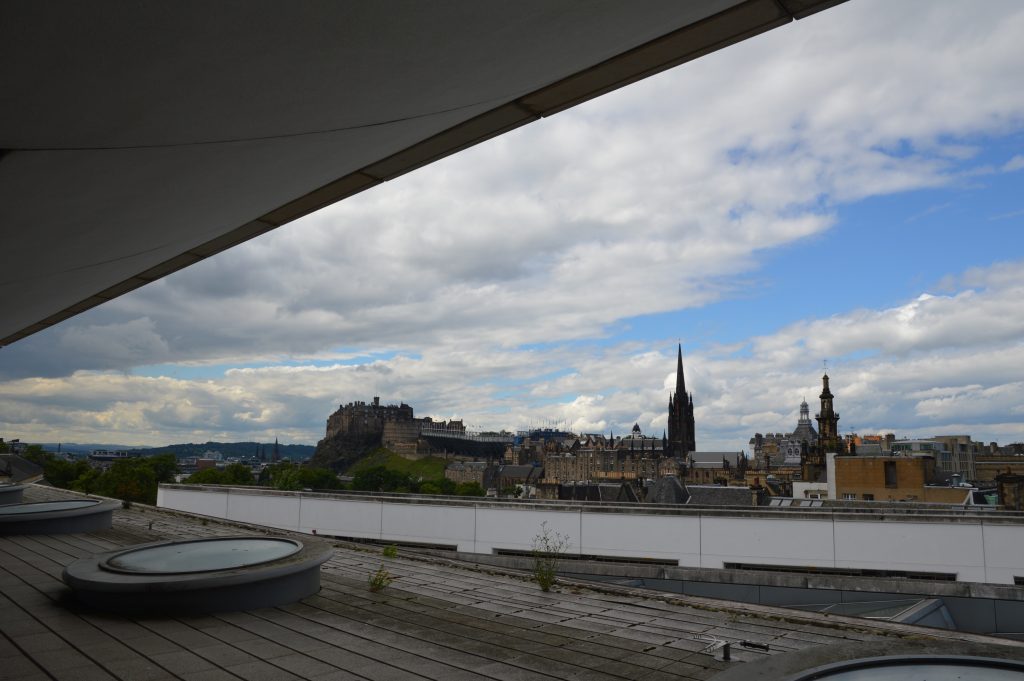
(202, 555)
(917, 668)
(46, 506)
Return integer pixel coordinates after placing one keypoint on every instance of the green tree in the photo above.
(232, 474)
(207, 476)
(288, 479)
(132, 479)
(36, 455)
(238, 474)
(289, 476)
(470, 489)
(87, 482)
(61, 473)
(129, 480)
(512, 491)
(318, 478)
(164, 466)
(381, 479)
(429, 487)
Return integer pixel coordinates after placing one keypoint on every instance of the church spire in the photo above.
(680, 414)
(680, 380)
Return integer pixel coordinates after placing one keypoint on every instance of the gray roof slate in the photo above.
(719, 495)
(667, 490)
(19, 468)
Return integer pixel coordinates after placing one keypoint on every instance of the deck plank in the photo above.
(438, 620)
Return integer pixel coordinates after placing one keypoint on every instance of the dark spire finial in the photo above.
(680, 378)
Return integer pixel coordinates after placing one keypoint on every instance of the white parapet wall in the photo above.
(974, 546)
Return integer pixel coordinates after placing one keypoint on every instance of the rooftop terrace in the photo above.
(441, 619)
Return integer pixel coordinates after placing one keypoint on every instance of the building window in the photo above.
(849, 496)
(869, 497)
(890, 474)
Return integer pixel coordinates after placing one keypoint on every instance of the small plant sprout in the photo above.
(380, 579)
(548, 548)
(390, 551)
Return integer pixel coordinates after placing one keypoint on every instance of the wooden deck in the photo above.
(438, 620)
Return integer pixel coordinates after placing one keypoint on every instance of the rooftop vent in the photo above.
(200, 575)
(56, 517)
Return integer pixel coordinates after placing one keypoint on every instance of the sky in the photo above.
(849, 188)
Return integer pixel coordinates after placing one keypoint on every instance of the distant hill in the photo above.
(233, 449)
(227, 449)
(83, 449)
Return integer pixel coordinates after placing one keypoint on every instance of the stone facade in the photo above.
(812, 460)
(467, 471)
(599, 465)
(988, 467)
(775, 450)
(1011, 491)
(892, 478)
(358, 428)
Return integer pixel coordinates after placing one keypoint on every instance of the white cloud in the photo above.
(1015, 163)
(934, 364)
(656, 198)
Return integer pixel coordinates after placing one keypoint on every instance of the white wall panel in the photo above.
(766, 541)
(264, 509)
(511, 528)
(451, 525)
(213, 503)
(991, 552)
(349, 519)
(1004, 552)
(656, 536)
(903, 545)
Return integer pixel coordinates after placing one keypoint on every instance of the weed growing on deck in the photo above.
(380, 579)
(548, 547)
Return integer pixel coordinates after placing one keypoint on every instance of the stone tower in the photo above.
(681, 432)
(812, 464)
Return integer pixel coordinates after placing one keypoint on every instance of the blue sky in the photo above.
(881, 251)
(846, 187)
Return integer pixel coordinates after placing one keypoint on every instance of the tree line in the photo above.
(136, 479)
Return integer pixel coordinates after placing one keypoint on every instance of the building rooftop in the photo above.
(18, 469)
(440, 619)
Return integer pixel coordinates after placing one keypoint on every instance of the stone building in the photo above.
(594, 465)
(989, 466)
(598, 459)
(637, 442)
(468, 471)
(681, 428)
(812, 460)
(357, 428)
(1011, 491)
(961, 453)
(893, 478)
(784, 449)
(715, 468)
(511, 476)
